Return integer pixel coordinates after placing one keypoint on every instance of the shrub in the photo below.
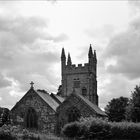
(8, 132)
(93, 128)
(5, 133)
(125, 130)
(71, 130)
(99, 129)
(83, 131)
(6, 136)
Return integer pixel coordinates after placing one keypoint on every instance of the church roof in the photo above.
(57, 98)
(48, 99)
(93, 106)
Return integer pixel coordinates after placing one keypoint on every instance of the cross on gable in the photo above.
(32, 83)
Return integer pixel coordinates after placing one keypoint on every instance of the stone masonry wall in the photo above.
(86, 75)
(84, 82)
(73, 101)
(46, 115)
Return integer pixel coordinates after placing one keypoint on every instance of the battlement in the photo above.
(70, 68)
(78, 66)
(76, 69)
(80, 77)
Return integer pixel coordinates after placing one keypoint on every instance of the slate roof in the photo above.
(57, 98)
(48, 99)
(93, 106)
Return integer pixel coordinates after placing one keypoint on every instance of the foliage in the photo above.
(133, 110)
(72, 129)
(125, 130)
(5, 133)
(120, 109)
(16, 132)
(93, 128)
(99, 129)
(116, 109)
(8, 132)
(4, 116)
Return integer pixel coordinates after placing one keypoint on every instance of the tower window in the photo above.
(84, 91)
(76, 84)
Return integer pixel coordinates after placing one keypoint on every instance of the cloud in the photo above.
(61, 37)
(106, 31)
(3, 81)
(28, 52)
(27, 30)
(135, 4)
(124, 49)
(120, 72)
(113, 86)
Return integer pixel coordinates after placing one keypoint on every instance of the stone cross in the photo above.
(32, 83)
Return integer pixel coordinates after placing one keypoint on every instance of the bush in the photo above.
(93, 128)
(5, 133)
(71, 130)
(8, 132)
(99, 129)
(125, 130)
(83, 131)
(4, 136)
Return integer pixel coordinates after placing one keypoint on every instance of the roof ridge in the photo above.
(101, 112)
(48, 99)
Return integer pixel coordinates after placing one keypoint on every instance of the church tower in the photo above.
(81, 79)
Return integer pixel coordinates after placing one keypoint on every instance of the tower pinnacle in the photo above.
(95, 55)
(63, 53)
(69, 60)
(90, 53)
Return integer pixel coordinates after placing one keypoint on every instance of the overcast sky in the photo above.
(32, 34)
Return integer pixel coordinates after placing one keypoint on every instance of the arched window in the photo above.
(84, 91)
(31, 119)
(73, 114)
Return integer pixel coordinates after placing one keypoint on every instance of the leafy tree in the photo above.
(133, 109)
(116, 109)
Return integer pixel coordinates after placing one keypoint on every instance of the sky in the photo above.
(32, 34)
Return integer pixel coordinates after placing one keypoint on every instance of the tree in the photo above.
(116, 109)
(133, 109)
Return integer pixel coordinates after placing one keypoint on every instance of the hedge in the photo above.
(94, 128)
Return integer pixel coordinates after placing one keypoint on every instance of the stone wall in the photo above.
(84, 82)
(72, 101)
(86, 74)
(86, 78)
(45, 114)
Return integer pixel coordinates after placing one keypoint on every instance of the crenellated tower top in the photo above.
(81, 78)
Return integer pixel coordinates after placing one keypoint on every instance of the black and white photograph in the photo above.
(69, 69)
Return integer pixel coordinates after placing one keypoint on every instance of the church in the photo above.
(77, 97)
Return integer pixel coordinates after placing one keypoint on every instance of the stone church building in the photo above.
(77, 97)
